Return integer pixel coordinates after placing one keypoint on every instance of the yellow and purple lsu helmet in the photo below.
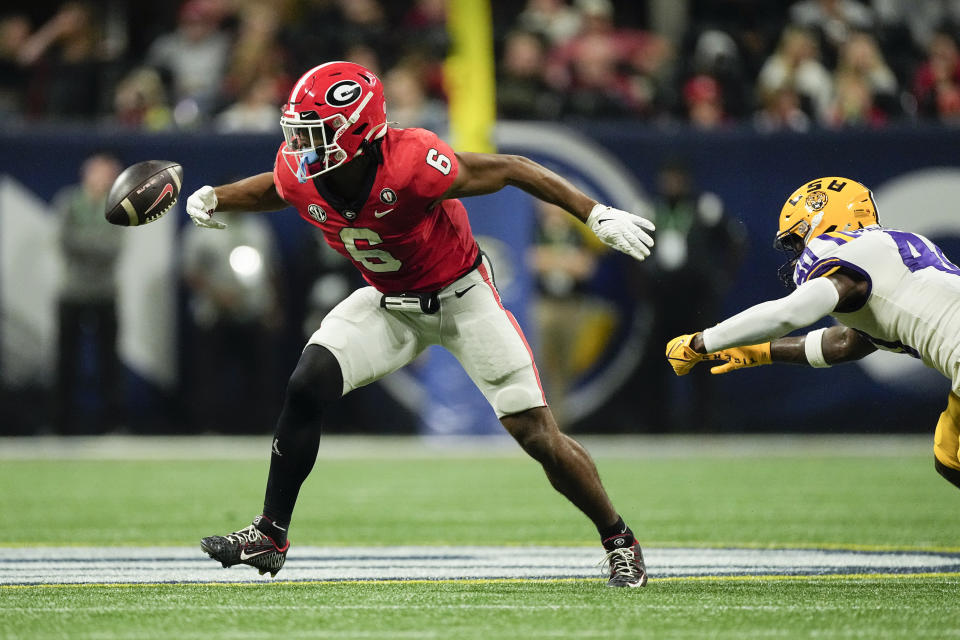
(821, 206)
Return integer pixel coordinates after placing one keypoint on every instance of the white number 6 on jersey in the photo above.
(439, 161)
(376, 260)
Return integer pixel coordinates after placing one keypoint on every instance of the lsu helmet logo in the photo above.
(816, 200)
(343, 93)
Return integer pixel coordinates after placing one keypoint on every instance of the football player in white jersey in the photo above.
(887, 288)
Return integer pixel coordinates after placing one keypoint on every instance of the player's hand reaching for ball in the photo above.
(625, 232)
(681, 355)
(735, 358)
(200, 205)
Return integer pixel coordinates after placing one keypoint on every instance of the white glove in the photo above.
(621, 230)
(200, 205)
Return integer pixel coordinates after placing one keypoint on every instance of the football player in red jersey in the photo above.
(386, 198)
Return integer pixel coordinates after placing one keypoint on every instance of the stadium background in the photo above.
(706, 110)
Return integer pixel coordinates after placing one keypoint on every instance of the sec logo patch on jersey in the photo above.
(317, 213)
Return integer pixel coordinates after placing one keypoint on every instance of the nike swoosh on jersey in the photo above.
(380, 214)
(246, 556)
(463, 292)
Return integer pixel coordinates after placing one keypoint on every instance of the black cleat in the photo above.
(248, 546)
(626, 567)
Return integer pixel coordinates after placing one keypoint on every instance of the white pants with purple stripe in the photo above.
(369, 341)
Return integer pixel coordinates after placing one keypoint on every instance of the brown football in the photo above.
(144, 192)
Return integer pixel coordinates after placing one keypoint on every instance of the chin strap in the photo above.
(356, 112)
(373, 148)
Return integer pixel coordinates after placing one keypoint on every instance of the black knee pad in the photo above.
(315, 381)
(952, 475)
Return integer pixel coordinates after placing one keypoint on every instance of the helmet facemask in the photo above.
(791, 242)
(312, 145)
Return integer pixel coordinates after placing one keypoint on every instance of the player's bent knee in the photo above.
(316, 380)
(949, 473)
(536, 441)
(533, 431)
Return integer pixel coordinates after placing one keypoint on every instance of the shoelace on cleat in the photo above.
(248, 535)
(622, 562)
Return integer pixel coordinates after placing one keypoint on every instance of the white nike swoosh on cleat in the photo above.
(245, 556)
(380, 214)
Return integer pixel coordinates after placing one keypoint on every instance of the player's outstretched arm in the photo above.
(820, 348)
(482, 173)
(739, 341)
(256, 193)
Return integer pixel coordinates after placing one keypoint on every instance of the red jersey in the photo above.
(400, 238)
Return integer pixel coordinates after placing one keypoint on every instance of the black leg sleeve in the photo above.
(315, 384)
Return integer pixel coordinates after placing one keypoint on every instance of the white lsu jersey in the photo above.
(913, 304)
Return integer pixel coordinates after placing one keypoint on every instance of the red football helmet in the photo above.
(333, 109)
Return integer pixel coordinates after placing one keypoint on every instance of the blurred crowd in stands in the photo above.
(710, 63)
(227, 65)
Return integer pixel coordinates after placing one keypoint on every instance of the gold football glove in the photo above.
(681, 357)
(741, 357)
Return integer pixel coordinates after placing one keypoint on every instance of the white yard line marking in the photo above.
(118, 447)
(139, 565)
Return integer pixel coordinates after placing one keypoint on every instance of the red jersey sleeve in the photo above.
(432, 163)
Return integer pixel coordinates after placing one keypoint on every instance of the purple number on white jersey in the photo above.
(917, 253)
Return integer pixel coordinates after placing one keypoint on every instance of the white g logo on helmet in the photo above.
(343, 93)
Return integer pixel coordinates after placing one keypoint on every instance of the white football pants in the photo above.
(369, 341)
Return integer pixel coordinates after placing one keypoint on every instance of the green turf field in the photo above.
(848, 496)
